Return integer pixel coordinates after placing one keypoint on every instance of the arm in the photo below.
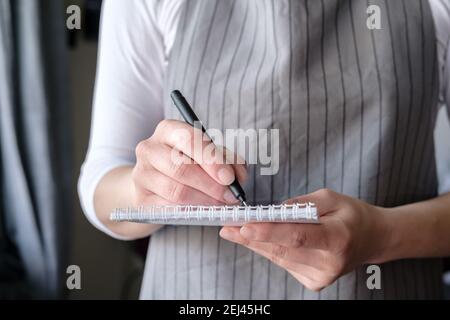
(131, 160)
(171, 169)
(418, 230)
(127, 108)
(431, 217)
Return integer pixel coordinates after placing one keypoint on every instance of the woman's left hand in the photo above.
(350, 233)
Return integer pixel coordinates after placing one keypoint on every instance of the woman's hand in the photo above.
(177, 165)
(180, 165)
(351, 233)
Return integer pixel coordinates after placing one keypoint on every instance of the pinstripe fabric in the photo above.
(355, 109)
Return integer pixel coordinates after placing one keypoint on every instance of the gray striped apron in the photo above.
(355, 109)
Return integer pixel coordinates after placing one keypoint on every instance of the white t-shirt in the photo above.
(135, 43)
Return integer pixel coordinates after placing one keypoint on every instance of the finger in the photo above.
(210, 157)
(325, 200)
(241, 172)
(196, 145)
(275, 252)
(142, 198)
(237, 162)
(292, 235)
(174, 191)
(309, 275)
(147, 198)
(232, 157)
(185, 172)
(306, 274)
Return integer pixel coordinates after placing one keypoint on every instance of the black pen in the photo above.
(190, 117)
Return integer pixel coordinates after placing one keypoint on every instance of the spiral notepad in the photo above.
(218, 215)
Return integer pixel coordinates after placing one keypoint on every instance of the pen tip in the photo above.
(244, 203)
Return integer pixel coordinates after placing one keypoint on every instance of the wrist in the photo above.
(386, 236)
(403, 233)
(414, 230)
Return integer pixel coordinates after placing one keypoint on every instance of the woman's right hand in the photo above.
(173, 169)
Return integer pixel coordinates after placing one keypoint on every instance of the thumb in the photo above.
(325, 200)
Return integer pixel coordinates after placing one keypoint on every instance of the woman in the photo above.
(355, 110)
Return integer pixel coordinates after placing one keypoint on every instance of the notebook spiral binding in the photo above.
(218, 215)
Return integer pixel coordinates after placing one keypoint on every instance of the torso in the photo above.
(355, 110)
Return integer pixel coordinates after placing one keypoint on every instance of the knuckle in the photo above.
(141, 149)
(246, 243)
(278, 253)
(177, 192)
(325, 192)
(179, 170)
(162, 126)
(299, 239)
(185, 135)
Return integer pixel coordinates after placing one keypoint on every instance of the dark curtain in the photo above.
(35, 148)
(12, 276)
(93, 9)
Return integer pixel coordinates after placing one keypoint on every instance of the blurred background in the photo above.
(111, 269)
(47, 75)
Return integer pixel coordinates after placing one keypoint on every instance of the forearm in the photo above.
(417, 230)
(116, 190)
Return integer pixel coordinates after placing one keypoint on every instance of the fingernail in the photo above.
(226, 176)
(248, 232)
(229, 197)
